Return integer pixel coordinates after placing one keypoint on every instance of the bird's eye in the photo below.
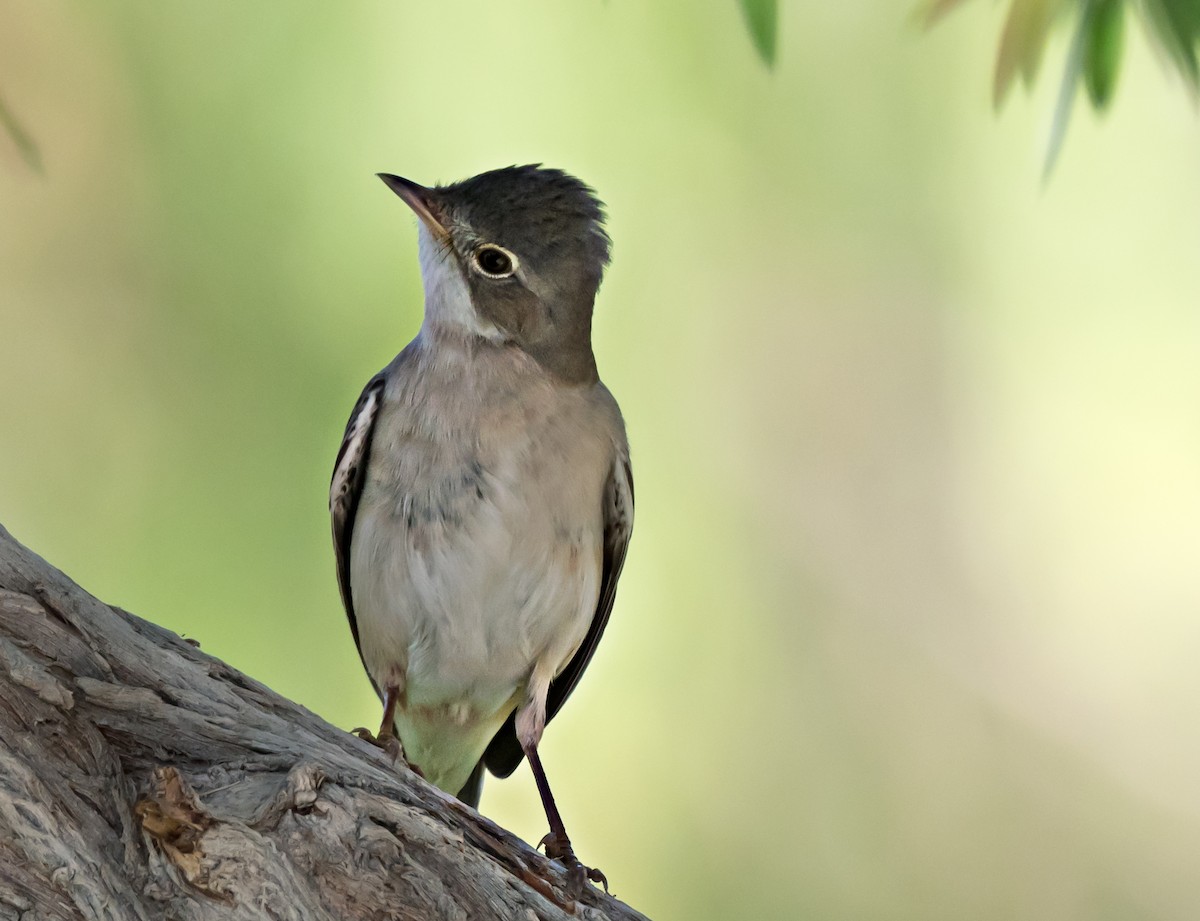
(495, 261)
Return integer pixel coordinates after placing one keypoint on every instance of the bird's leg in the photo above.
(530, 722)
(386, 738)
(558, 845)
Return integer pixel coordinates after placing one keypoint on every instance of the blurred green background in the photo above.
(910, 623)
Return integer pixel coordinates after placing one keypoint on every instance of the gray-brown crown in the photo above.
(540, 213)
(532, 248)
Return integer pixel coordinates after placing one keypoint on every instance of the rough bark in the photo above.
(141, 778)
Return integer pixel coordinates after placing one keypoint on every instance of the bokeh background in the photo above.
(911, 620)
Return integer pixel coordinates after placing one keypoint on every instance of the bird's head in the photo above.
(514, 255)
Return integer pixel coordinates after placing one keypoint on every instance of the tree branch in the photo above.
(143, 779)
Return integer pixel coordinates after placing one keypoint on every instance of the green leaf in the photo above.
(20, 138)
(1066, 91)
(1022, 43)
(1102, 49)
(1176, 23)
(762, 20)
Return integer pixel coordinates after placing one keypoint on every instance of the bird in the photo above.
(482, 499)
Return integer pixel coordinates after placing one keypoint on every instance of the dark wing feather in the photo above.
(349, 473)
(504, 751)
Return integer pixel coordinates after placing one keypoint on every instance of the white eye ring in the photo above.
(494, 261)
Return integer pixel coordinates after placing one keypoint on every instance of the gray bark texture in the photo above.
(143, 779)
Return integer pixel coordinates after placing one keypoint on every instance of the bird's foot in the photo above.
(558, 847)
(389, 742)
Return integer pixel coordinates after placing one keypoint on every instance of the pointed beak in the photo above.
(423, 201)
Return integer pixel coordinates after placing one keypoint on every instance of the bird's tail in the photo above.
(472, 789)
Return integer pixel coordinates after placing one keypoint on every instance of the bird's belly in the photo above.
(457, 605)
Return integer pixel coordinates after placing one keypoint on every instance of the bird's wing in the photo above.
(504, 751)
(349, 474)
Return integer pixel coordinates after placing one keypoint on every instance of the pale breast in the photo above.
(477, 545)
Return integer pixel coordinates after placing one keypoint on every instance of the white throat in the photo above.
(447, 298)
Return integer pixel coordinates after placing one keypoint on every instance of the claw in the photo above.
(389, 743)
(597, 877)
(558, 848)
(549, 841)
